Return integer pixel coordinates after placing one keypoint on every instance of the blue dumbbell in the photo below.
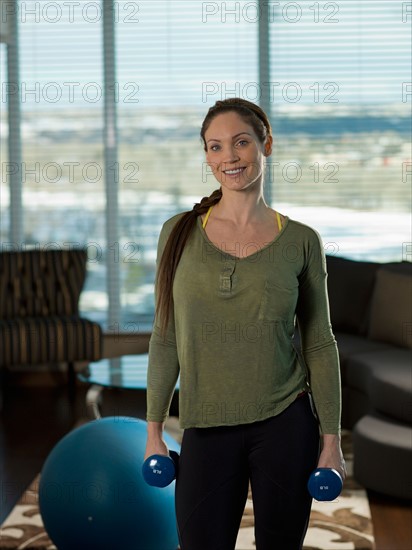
(325, 484)
(160, 470)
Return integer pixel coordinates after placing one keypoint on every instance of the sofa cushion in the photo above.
(41, 282)
(404, 268)
(355, 404)
(352, 344)
(390, 391)
(36, 340)
(350, 286)
(382, 455)
(360, 367)
(391, 309)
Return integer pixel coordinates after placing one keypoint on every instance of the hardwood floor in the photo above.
(33, 420)
(392, 521)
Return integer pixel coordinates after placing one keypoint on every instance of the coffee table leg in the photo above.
(94, 401)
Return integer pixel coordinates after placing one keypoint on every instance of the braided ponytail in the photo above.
(172, 254)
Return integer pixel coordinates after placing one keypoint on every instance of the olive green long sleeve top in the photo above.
(231, 327)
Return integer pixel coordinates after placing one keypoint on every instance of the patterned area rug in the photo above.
(341, 525)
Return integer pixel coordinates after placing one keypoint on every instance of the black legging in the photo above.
(277, 455)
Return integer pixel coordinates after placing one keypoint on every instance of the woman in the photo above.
(233, 278)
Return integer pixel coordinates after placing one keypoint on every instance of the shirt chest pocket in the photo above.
(278, 302)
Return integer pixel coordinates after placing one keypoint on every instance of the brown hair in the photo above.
(254, 116)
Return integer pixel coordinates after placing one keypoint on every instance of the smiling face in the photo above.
(234, 152)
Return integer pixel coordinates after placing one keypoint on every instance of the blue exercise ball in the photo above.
(92, 494)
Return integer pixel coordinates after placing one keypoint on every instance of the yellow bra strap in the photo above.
(279, 222)
(210, 209)
(207, 216)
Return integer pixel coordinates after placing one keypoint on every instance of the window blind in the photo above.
(339, 98)
(174, 60)
(341, 111)
(60, 93)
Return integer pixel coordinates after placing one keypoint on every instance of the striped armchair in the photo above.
(39, 315)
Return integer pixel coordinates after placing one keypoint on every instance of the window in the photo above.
(60, 91)
(341, 110)
(338, 94)
(173, 62)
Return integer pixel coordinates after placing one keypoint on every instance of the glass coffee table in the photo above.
(125, 372)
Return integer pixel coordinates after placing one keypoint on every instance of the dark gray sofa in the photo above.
(371, 315)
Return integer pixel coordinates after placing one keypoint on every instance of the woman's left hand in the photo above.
(331, 455)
